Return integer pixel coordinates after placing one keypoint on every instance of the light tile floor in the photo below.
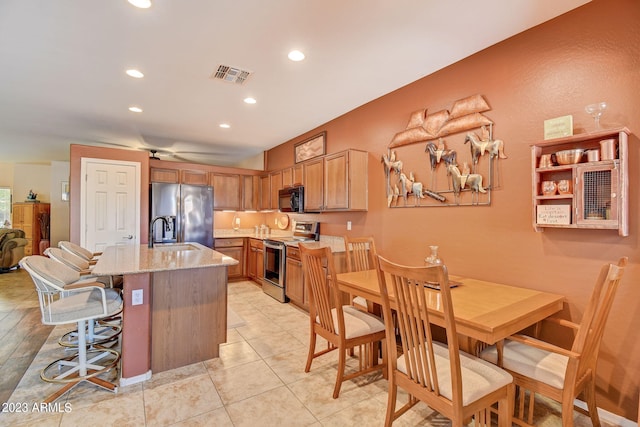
(258, 380)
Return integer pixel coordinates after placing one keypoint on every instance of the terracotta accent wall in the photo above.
(589, 55)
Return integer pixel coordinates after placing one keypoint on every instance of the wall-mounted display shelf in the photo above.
(591, 193)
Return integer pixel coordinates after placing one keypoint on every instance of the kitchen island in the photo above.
(175, 305)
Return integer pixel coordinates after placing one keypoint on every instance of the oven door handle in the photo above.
(273, 246)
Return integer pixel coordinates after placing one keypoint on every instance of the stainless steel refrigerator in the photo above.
(185, 212)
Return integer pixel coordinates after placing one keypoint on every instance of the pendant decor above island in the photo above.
(452, 179)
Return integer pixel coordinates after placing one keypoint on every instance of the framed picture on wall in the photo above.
(312, 147)
(64, 191)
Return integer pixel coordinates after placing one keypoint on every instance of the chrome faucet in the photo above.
(153, 222)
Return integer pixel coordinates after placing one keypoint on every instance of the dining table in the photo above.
(484, 311)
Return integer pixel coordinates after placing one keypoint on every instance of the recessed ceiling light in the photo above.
(137, 74)
(142, 4)
(296, 55)
(250, 100)
(135, 109)
(225, 125)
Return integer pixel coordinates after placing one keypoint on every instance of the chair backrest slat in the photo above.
(319, 270)
(361, 253)
(591, 329)
(411, 299)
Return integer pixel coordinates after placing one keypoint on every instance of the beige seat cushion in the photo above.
(357, 323)
(362, 302)
(531, 362)
(53, 271)
(83, 305)
(479, 378)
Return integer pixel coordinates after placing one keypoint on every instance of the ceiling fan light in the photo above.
(225, 125)
(135, 109)
(142, 4)
(250, 100)
(296, 55)
(136, 74)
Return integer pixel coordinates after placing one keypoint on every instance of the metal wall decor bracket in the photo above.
(467, 184)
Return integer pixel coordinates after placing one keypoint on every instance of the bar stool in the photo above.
(60, 306)
(74, 252)
(99, 332)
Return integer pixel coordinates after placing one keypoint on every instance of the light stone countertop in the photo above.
(336, 243)
(128, 259)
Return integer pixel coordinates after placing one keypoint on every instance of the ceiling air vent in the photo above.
(231, 74)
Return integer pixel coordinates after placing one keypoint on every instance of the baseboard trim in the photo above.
(134, 380)
(607, 416)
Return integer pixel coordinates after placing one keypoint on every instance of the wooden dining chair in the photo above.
(343, 326)
(452, 382)
(361, 255)
(556, 372)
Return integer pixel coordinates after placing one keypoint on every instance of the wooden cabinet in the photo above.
(233, 247)
(337, 182)
(251, 192)
(294, 278)
(592, 195)
(171, 176)
(314, 185)
(276, 185)
(287, 177)
(265, 192)
(227, 191)
(194, 177)
(26, 217)
(178, 176)
(292, 176)
(255, 260)
(345, 181)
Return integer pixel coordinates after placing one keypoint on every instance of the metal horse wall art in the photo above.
(466, 118)
(479, 146)
(436, 154)
(460, 181)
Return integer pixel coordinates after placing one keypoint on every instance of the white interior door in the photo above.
(110, 206)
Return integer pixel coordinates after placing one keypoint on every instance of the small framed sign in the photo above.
(558, 127)
(553, 214)
(312, 147)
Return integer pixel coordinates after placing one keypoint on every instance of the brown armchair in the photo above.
(12, 243)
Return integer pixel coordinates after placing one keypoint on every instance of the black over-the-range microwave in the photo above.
(291, 199)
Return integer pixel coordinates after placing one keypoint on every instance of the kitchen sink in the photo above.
(175, 247)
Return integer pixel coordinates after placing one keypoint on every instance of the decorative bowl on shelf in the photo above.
(569, 157)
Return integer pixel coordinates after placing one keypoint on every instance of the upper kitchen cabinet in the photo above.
(276, 185)
(337, 182)
(194, 177)
(251, 192)
(227, 191)
(265, 192)
(292, 176)
(171, 176)
(582, 181)
(179, 176)
(314, 185)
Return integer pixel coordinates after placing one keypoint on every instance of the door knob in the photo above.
(130, 236)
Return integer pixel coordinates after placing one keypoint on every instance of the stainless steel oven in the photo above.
(274, 256)
(274, 283)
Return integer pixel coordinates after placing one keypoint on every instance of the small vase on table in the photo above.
(433, 258)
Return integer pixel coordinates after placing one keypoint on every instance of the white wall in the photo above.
(59, 208)
(31, 177)
(6, 175)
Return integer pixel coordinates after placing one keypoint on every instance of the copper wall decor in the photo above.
(465, 185)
